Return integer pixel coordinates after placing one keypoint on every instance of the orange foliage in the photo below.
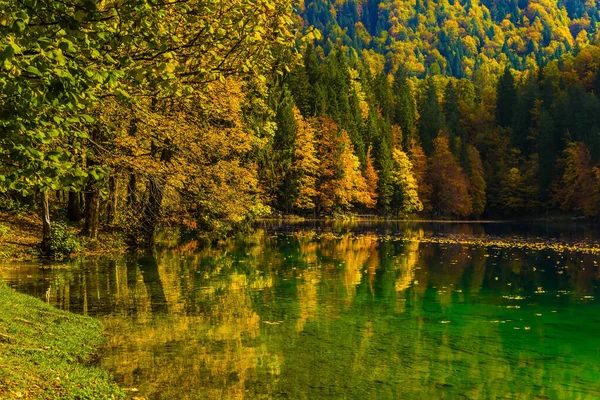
(306, 163)
(450, 184)
(421, 171)
(342, 183)
(372, 180)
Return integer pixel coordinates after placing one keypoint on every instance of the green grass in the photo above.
(46, 353)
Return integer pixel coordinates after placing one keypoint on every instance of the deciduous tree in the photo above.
(449, 182)
(406, 191)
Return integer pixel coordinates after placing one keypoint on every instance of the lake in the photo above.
(362, 311)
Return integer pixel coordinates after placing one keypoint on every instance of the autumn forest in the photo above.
(318, 199)
(141, 114)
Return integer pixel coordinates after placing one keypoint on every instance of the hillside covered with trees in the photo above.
(140, 114)
(454, 37)
(522, 144)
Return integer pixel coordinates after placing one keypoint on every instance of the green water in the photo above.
(345, 313)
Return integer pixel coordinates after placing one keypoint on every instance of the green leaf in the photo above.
(20, 26)
(33, 70)
(15, 48)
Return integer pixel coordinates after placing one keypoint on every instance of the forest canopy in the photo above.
(136, 114)
(104, 99)
(454, 37)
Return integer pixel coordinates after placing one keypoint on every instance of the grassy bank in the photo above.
(47, 353)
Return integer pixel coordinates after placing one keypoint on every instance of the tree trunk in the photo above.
(132, 184)
(46, 227)
(92, 201)
(111, 207)
(74, 207)
(81, 203)
(132, 191)
(156, 183)
(152, 210)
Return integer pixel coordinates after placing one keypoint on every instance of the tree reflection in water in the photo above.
(308, 313)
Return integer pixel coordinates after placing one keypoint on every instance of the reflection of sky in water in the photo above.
(294, 315)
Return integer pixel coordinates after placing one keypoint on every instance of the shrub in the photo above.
(63, 242)
(13, 204)
(4, 229)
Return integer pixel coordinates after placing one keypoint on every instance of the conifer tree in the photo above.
(477, 183)
(311, 64)
(386, 99)
(283, 151)
(506, 98)
(302, 91)
(404, 106)
(383, 164)
(431, 117)
(452, 116)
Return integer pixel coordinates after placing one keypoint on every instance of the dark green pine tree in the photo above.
(431, 117)
(320, 99)
(548, 143)
(353, 124)
(302, 91)
(597, 84)
(382, 151)
(452, 116)
(527, 94)
(283, 151)
(311, 64)
(530, 47)
(506, 97)
(583, 118)
(335, 98)
(336, 80)
(383, 96)
(404, 106)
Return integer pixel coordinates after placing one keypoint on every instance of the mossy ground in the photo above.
(47, 353)
(21, 235)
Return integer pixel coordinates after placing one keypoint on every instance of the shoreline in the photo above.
(350, 218)
(20, 236)
(20, 233)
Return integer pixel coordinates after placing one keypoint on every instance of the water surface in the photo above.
(320, 311)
